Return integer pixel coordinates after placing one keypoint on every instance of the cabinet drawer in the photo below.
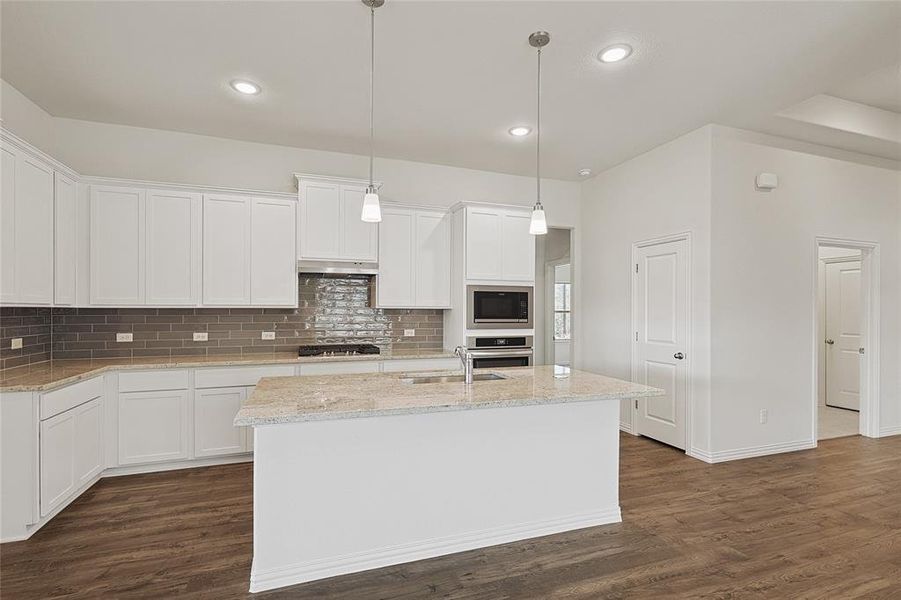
(331, 368)
(148, 381)
(422, 364)
(239, 376)
(57, 401)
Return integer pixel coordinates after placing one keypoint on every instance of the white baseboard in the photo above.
(887, 431)
(176, 465)
(751, 452)
(393, 555)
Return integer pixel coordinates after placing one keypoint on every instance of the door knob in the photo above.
(830, 341)
(678, 356)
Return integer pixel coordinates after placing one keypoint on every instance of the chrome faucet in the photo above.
(466, 358)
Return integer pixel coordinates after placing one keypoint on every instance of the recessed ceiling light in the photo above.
(614, 53)
(520, 131)
(245, 87)
(584, 172)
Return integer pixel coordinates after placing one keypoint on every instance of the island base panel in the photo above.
(341, 496)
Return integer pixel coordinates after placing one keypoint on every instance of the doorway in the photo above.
(661, 346)
(555, 291)
(846, 349)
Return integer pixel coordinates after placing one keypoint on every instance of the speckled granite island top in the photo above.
(328, 397)
(45, 376)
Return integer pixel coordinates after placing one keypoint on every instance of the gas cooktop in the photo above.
(338, 349)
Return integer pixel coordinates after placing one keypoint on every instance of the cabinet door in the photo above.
(71, 453)
(65, 198)
(117, 246)
(483, 243)
(432, 250)
(226, 250)
(396, 257)
(34, 231)
(320, 219)
(273, 273)
(153, 427)
(7, 225)
(518, 247)
(359, 239)
(214, 415)
(173, 232)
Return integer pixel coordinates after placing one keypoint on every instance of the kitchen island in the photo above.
(355, 472)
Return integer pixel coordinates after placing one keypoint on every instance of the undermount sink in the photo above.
(453, 378)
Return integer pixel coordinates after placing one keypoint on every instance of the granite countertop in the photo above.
(317, 398)
(41, 377)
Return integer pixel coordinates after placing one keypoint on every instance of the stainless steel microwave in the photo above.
(499, 307)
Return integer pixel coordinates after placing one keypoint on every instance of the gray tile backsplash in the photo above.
(33, 326)
(332, 309)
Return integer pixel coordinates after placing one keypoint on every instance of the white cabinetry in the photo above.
(26, 227)
(414, 258)
(65, 219)
(248, 251)
(173, 232)
(71, 453)
(214, 415)
(117, 246)
(153, 426)
(329, 225)
(226, 250)
(499, 246)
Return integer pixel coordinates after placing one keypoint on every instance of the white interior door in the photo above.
(660, 313)
(843, 334)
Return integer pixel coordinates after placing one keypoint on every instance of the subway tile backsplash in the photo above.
(332, 309)
(30, 324)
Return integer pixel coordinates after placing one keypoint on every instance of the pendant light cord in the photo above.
(538, 139)
(371, 93)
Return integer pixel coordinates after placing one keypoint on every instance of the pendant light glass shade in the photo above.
(538, 224)
(372, 211)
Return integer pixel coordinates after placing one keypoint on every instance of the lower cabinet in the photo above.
(153, 426)
(214, 414)
(71, 452)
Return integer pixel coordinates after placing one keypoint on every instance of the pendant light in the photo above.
(372, 212)
(538, 223)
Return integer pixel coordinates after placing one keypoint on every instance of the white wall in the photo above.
(763, 261)
(662, 192)
(108, 150)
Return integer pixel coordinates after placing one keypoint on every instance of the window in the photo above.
(562, 316)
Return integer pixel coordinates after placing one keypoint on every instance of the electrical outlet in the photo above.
(268, 335)
(201, 336)
(409, 332)
(764, 416)
(15, 344)
(125, 337)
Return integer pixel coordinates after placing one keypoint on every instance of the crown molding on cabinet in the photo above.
(184, 187)
(330, 179)
(8, 137)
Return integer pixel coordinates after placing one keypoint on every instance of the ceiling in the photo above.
(452, 77)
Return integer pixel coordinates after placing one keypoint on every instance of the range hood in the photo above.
(337, 267)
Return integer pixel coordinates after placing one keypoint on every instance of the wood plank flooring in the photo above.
(824, 523)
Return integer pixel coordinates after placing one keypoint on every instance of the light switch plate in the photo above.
(201, 336)
(268, 335)
(15, 344)
(409, 332)
(125, 337)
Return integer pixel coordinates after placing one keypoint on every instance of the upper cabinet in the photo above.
(414, 258)
(499, 246)
(249, 251)
(328, 221)
(173, 233)
(117, 246)
(26, 227)
(65, 219)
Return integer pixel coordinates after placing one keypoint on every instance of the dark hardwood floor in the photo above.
(824, 523)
